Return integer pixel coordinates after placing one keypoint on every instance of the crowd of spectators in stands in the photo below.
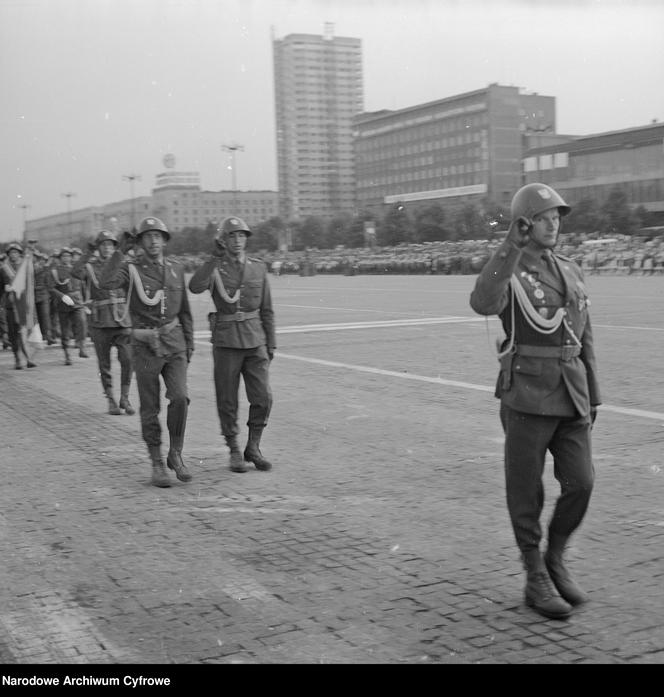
(621, 254)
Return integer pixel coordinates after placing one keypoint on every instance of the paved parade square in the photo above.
(380, 536)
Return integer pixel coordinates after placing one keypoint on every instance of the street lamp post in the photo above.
(68, 195)
(232, 149)
(24, 207)
(131, 178)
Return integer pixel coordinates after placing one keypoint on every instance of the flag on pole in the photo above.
(23, 287)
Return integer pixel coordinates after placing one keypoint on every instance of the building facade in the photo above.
(462, 148)
(177, 199)
(318, 91)
(589, 167)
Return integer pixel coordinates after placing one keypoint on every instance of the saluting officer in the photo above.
(547, 385)
(162, 338)
(110, 323)
(243, 337)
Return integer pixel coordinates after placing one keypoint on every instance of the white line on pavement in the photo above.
(204, 337)
(642, 413)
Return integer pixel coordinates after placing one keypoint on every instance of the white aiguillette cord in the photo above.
(219, 285)
(535, 320)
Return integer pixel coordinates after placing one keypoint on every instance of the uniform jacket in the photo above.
(541, 384)
(251, 279)
(61, 282)
(107, 307)
(42, 290)
(168, 277)
(7, 274)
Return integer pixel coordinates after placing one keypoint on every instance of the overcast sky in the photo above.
(92, 90)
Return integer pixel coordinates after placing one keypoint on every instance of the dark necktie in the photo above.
(550, 263)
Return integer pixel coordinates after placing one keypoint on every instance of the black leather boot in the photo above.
(565, 584)
(17, 362)
(113, 407)
(160, 476)
(236, 462)
(252, 452)
(67, 359)
(174, 461)
(540, 593)
(124, 400)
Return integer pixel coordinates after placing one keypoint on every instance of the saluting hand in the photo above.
(519, 232)
(219, 249)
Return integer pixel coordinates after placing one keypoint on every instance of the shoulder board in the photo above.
(256, 259)
(563, 257)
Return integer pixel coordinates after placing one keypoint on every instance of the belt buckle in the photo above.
(568, 353)
(239, 316)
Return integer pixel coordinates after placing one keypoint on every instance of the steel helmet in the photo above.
(14, 245)
(535, 198)
(152, 223)
(76, 250)
(232, 224)
(64, 250)
(106, 235)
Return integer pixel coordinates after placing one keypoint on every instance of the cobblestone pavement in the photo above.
(381, 535)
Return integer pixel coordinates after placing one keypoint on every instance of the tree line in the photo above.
(406, 223)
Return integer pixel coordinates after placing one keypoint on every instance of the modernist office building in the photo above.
(318, 91)
(177, 199)
(462, 148)
(589, 167)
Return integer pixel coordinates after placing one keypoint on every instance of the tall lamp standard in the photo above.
(131, 178)
(25, 207)
(68, 195)
(232, 149)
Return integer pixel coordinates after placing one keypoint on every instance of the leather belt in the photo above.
(109, 301)
(565, 353)
(164, 328)
(239, 316)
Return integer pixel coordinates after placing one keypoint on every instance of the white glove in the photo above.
(67, 300)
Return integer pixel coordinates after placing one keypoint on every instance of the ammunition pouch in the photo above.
(212, 321)
(505, 378)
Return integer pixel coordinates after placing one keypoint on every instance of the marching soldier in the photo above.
(67, 292)
(109, 320)
(8, 273)
(243, 337)
(162, 338)
(547, 385)
(43, 296)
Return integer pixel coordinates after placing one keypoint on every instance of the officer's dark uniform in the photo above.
(162, 341)
(110, 325)
(547, 386)
(243, 338)
(71, 317)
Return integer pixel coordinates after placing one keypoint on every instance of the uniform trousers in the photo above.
(13, 329)
(253, 365)
(72, 325)
(43, 307)
(148, 367)
(104, 339)
(527, 439)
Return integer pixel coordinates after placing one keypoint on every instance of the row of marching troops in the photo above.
(130, 296)
(59, 301)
